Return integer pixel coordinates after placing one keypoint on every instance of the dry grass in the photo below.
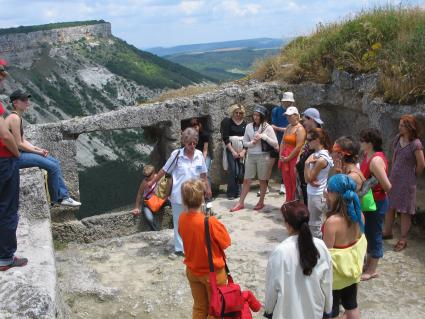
(390, 41)
(183, 92)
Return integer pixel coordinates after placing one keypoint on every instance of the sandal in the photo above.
(237, 207)
(259, 206)
(401, 244)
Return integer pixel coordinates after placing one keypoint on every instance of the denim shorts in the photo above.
(373, 229)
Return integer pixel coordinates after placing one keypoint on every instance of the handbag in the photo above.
(165, 183)
(240, 171)
(154, 203)
(265, 147)
(367, 202)
(226, 301)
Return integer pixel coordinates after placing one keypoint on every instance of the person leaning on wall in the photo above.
(9, 192)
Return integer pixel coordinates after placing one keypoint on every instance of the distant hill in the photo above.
(259, 43)
(222, 61)
(224, 65)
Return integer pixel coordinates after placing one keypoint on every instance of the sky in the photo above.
(167, 23)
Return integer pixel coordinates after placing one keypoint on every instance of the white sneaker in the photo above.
(70, 202)
(267, 191)
(282, 189)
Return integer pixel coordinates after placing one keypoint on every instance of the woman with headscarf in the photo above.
(408, 163)
(290, 147)
(232, 132)
(259, 136)
(343, 235)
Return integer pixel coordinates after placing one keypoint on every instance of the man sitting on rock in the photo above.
(33, 156)
(9, 192)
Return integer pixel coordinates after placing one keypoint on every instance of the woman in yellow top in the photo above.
(290, 147)
(343, 235)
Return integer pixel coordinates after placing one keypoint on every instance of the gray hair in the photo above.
(188, 135)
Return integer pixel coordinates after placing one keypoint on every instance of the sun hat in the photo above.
(291, 111)
(261, 109)
(314, 114)
(288, 97)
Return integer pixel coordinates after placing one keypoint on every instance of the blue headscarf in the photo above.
(346, 186)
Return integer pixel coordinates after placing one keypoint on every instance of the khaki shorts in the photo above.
(257, 164)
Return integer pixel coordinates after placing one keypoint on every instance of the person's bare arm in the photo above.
(378, 167)
(14, 123)
(205, 150)
(8, 138)
(301, 135)
(420, 162)
(136, 209)
(208, 192)
(310, 174)
(329, 234)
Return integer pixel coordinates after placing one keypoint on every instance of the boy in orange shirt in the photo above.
(192, 232)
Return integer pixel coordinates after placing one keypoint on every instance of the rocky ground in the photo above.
(139, 277)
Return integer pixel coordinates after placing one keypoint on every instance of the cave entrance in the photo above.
(110, 165)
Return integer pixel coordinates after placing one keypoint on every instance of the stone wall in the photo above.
(347, 106)
(20, 48)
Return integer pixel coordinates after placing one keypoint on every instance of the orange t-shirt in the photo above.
(192, 231)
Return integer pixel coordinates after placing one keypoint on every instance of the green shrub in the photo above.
(389, 41)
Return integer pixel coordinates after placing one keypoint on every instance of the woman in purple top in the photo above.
(408, 163)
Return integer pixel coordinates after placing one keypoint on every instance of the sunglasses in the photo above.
(310, 139)
(192, 143)
(239, 113)
(307, 117)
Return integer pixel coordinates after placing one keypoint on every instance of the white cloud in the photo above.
(234, 8)
(191, 6)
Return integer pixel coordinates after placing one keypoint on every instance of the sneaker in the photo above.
(70, 202)
(17, 262)
(179, 253)
(282, 189)
(267, 191)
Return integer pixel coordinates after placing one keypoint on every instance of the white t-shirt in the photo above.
(182, 170)
(322, 178)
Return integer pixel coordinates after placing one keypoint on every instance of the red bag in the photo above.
(226, 301)
(154, 203)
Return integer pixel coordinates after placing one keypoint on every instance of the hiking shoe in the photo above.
(70, 202)
(17, 262)
(282, 189)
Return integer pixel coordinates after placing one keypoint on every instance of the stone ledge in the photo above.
(103, 226)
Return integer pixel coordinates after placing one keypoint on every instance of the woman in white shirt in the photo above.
(299, 271)
(316, 171)
(259, 139)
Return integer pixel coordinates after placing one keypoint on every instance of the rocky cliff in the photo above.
(347, 105)
(82, 70)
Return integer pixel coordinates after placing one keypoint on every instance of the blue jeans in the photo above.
(9, 202)
(233, 186)
(57, 188)
(149, 217)
(374, 222)
(177, 211)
